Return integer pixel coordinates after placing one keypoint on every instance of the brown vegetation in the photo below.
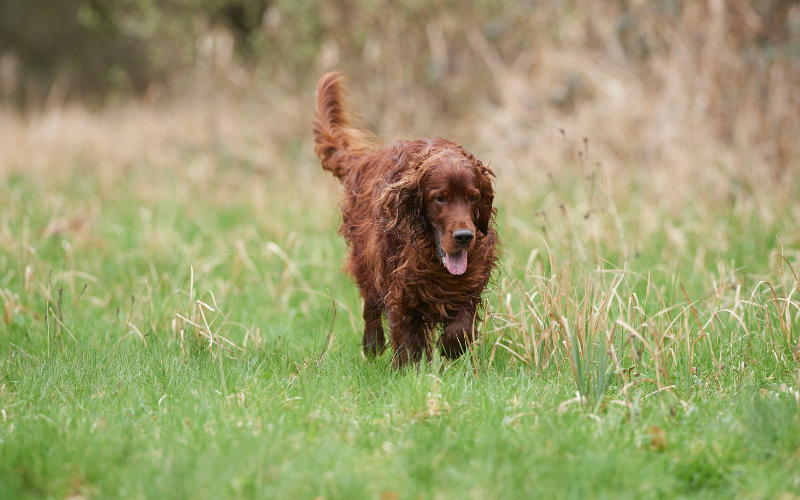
(702, 95)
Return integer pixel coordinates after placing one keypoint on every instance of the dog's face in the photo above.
(451, 192)
(449, 195)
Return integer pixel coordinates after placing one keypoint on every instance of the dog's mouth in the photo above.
(456, 262)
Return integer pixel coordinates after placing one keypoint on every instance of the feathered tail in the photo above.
(336, 141)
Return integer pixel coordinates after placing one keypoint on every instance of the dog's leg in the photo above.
(374, 341)
(459, 333)
(407, 332)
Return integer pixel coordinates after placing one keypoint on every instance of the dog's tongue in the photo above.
(456, 263)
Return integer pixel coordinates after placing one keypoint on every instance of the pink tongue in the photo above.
(456, 263)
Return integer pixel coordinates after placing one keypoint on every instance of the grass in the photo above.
(175, 323)
(187, 333)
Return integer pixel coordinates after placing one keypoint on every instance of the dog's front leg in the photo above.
(374, 341)
(407, 331)
(458, 333)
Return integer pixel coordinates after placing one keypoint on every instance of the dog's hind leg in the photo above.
(374, 340)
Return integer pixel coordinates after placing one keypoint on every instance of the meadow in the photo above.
(176, 323)
(186, 332)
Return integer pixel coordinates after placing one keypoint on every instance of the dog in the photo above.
(419, 222)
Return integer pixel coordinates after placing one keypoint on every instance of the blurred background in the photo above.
(610, 122)
(696, 88)
(162, 149)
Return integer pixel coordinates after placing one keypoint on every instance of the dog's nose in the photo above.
(463, 236)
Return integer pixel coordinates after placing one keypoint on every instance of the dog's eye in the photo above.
(473, 198)
(440, 199)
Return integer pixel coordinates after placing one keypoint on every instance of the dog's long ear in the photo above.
(485, 212)
(402, 201)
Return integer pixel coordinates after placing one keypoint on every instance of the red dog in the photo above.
(418, 220)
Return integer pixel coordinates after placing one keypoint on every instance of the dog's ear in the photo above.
(485, 212)
(402, 201)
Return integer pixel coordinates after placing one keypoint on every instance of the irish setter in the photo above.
(419, 224)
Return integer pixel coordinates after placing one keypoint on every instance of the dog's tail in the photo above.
(336, 141)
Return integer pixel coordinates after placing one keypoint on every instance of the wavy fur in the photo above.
(392, 243)
(337, 140)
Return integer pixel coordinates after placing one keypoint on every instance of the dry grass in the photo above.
(647, 207)
(603, 151)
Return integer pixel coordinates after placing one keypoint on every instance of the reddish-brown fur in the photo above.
(402, 208)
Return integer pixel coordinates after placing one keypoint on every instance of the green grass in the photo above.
(273, 399)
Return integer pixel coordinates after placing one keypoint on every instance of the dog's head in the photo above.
(445, 195)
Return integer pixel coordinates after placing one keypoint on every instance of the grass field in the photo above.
(186, 332)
